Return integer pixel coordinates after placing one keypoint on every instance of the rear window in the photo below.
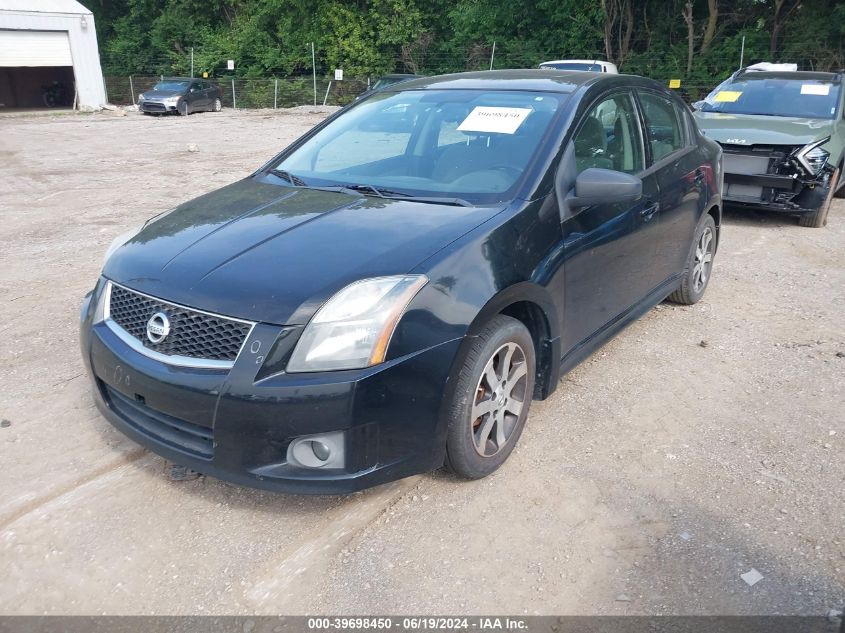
(775, 96)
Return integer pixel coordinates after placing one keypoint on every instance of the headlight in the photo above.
(171, 101)
(353, 329)
(812, 157)
(120, 240)
(141, 97)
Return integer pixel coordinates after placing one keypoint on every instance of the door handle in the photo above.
(649, 212)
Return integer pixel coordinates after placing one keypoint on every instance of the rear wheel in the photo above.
(818, 218)
(696, 274)
(218, 105)
(492, 397)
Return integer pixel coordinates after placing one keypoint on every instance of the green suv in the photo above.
(782, 134)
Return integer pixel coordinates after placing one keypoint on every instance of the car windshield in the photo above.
(170, 86)
(775, 96)
(464, 144)
(594, 68)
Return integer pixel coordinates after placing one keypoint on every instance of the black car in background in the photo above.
(182, 96)
(388, 294)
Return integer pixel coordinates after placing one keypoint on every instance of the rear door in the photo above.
(681, 177)
(608, 248)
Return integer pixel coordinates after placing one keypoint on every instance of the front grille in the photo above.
(745, 164)
(757, 159)
(193, 334)
(176, 433)
(153, 107)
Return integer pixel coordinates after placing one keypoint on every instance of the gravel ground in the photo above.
(702, 442)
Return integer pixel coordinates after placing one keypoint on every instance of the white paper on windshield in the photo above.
(815, 89)
(498, 120)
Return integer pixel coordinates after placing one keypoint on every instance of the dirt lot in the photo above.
(702, 442)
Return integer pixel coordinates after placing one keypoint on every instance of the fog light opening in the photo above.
(318, 451)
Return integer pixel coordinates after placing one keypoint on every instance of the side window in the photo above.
(664, 129)
(610, 138)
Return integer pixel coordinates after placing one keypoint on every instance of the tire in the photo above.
(182, 108)
(217, 106)
(818, 218)
(841, 192)
(699, 265)
(476, 445)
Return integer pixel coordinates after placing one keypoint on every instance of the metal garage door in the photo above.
(34, 48)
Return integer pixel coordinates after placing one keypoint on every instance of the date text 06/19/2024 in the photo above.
(422, 623)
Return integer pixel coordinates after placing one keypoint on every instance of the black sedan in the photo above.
(389, 294)
(182, 96)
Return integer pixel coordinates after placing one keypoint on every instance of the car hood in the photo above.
(268, 253)
(747, 129)
(162, 94)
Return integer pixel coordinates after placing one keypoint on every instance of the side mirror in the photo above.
(604, 186)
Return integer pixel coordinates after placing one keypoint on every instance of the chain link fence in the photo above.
(288, 92)
(251, 93)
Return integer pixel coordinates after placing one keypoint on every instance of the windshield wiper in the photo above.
(381, 193)
(391, 194)
(296, 181)
(454, 202)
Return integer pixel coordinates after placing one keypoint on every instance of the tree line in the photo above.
(699, 41)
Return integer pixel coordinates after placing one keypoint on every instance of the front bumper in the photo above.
(156, 107)
(765, 181)
(237, 424)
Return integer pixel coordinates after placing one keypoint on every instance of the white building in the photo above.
(48, 46)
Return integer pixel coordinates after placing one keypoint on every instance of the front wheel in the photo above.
(699, 264)
(818, 218)
(492, 396)
(182, 108)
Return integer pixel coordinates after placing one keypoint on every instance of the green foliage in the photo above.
(370, 37)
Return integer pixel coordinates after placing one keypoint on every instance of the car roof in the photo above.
(578, 61)
(788, 74)
(534, 79)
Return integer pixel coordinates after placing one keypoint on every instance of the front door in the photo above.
(196, 97)
(608, 248)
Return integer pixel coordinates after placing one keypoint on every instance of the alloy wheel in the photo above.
(703, 260)
(499, 399)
